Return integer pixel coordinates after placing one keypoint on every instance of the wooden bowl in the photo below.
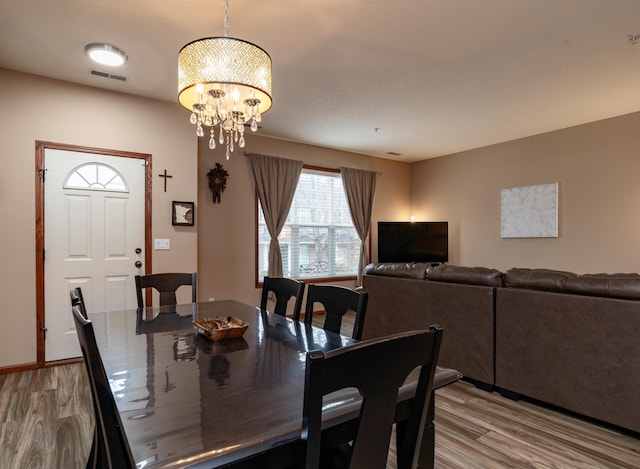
(220, 328)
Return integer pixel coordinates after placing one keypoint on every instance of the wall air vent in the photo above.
(108, 75)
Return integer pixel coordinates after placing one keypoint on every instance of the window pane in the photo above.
(95, 176)
(318, 239)
(105, 174)
(313, 251)
(75, 180)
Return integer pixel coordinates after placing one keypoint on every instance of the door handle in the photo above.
(138, 264)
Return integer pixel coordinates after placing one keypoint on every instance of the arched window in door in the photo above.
(96, 177)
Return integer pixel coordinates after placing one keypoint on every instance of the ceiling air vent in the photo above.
(393, 153)
(108, 75)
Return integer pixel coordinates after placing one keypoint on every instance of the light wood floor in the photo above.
(46, 418)
(478, 429)
(46, 422)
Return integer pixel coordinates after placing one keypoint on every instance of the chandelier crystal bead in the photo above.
(224, 82)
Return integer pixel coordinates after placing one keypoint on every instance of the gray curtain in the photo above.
(276, 180)
(360, 187)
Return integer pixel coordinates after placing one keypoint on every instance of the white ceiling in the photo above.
(434, 76)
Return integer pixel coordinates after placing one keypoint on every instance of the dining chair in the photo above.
(78, 299)
(166, 284)
(337, 301)
(113, 450)
(96, 453)
(377, 368)
(283, 289)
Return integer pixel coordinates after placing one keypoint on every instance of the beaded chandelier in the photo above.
(225, 83)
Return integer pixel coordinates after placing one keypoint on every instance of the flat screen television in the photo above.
(426, 241)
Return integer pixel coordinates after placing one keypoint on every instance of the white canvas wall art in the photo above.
(530, 211)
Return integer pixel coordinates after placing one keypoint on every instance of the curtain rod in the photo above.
(379, 172)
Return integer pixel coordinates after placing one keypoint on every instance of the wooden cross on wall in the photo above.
(165, 176)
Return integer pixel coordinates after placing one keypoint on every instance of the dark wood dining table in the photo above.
(187, 401)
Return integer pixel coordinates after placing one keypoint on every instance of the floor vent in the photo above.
(108, 75)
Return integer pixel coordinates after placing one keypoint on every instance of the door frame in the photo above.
(40, 174)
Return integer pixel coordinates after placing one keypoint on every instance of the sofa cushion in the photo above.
(624, 286)
(467, 275)
(415, 270)
(538, 279)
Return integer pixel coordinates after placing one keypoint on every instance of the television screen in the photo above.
(413, 242)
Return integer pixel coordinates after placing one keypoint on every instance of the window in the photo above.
(318, 239)
(97, 177)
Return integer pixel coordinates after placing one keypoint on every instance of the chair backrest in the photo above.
(283, 289)
(337, 301)
(166, 284)
(78, 299)
(377, 368)
(97, 456)
(118, 453)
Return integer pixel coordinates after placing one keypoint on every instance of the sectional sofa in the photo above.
(569, 340)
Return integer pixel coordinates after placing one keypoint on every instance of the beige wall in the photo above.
(597, 167)
(34, 108)
(226, 260)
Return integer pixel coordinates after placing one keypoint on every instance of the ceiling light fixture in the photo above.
(226, 83)
(106, 54)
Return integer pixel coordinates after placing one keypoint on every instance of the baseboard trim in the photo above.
(16, 368)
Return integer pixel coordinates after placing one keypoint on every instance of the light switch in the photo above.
(161, 244)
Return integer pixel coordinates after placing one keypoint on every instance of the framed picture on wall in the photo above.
(183, 213)
(530, 211)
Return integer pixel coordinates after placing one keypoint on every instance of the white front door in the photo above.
(94, 220)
